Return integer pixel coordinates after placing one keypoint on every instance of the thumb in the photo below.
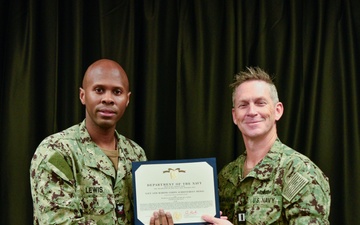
(209, 219)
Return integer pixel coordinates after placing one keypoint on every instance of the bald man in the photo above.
(82, 175)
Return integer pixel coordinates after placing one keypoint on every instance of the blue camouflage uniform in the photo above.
(74, 182)
(286, 187)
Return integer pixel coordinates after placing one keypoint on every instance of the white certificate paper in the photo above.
(185, 188)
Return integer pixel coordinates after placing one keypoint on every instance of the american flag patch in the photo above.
(295, 184)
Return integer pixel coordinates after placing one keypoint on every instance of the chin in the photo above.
(106, 124)
(254, 134)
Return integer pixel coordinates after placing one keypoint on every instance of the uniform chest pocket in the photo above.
(263, 209)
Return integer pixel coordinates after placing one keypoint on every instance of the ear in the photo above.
(233, 116)
(279, 110)
(128, 101)
(82, 95)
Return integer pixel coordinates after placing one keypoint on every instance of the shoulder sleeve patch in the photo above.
(58, 161)
(294, 185)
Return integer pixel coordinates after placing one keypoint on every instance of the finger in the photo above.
(156, 218)
(152, 220)
(207, 218)
(163, 217)
(210, 219)
(169, 218)
(223, 217)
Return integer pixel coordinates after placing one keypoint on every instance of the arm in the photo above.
(53, 190)
(311, 204)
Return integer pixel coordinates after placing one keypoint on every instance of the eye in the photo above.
(242, 105)
(99, 90)
(118, 92)
(261, 103)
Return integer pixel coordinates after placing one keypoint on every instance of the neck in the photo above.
(256, 149)
(104, 138)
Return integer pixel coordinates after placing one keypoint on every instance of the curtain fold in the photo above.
(180, 57)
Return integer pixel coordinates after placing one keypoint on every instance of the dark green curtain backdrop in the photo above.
(180, 56)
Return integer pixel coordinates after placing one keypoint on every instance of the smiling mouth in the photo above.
(252, 122)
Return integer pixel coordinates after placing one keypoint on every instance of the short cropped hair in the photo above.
(254, 73)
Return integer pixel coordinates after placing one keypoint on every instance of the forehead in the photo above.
(111, 77)
(252, 89)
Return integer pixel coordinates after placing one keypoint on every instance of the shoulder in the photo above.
(295, 161)
(61, 143)
(68, 134)
(304, 183)
(60, 140)
(53, 155)
(231, 170)
(131, 149)
(301, 173)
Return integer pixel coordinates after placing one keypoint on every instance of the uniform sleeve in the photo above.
(53, 190)
(226, 196)
(307, 197)
(229, 193)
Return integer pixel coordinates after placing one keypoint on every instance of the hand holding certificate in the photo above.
(185, 188)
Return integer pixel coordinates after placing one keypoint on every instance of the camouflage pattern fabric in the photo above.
(74, 182)
(286, 187)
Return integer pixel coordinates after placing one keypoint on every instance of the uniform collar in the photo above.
(264, 169)
(93, 156)
(267, 166)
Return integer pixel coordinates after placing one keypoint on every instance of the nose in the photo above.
(252, 110)
(107, 98)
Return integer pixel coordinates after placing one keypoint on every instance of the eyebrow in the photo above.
(255, 99)
(105, 85)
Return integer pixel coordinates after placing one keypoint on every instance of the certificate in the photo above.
(185, 188)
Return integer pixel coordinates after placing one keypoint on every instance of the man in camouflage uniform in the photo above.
(270, 183)
(82, 175)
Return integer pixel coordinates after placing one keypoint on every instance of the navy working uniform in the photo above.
(74, 182)
(286, 187)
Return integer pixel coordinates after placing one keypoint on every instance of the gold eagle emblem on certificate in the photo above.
(177, 216)
(174, 172)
